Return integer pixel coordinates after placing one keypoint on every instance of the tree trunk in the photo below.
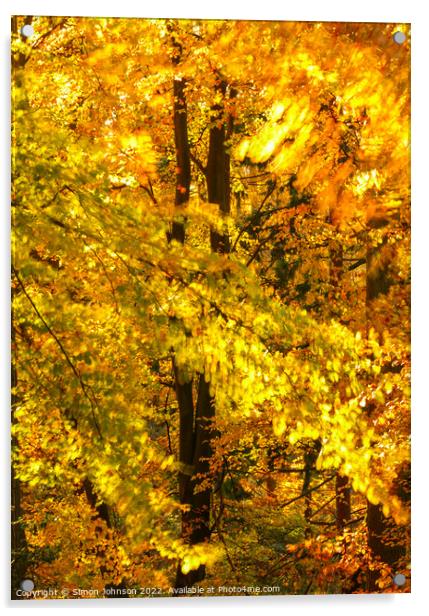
(181, 141)
(311, 454)
(103, 512)
(19, 547)
(384, 537)
(196, 424)
(342, 487)
(342, 501)
(382, 541)
(195, 453)
(218, 165)
(183, 161)
(18, 539)
(270, 481)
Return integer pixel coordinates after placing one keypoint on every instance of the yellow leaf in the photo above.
(279, 425)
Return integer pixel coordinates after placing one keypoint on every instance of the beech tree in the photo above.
(210, 305)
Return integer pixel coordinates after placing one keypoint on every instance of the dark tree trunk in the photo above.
(19, 549)
(385, 539)
(196, 454)
(102, 512)
(218, 165)
(184, 390)
(271, 483)
(181, 141)
(186, 435)
(19, 543)
(183, 161)
(196, 421)
(342, 487)
(18, 539)
(342, 501)
(310, 456)
(203, 451)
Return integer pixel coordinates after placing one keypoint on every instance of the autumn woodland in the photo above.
(210, 308)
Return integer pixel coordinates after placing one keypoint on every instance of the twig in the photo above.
(249, 224)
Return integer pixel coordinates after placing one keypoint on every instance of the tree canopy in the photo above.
(211, 317)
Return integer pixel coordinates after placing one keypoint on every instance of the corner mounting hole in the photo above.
(399, 37)
(399, 579)
(27, 30)
(27, 585)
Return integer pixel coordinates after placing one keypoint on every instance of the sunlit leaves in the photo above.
(279, 328)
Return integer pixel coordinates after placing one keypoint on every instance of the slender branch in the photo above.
(249, 177)
(258, 249)
(230, 476)
(323, 506)
(200, 136)
(199, 164)
(228, 557)
(357, 264)
(307, 590)
(75, 371)
(307, 492)
(249, 224)
(42, 37)
(216, 524)
(167, 425)
(149, 193)
(149, 190)
(108, 278)
(283, 470)
(349, 523)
